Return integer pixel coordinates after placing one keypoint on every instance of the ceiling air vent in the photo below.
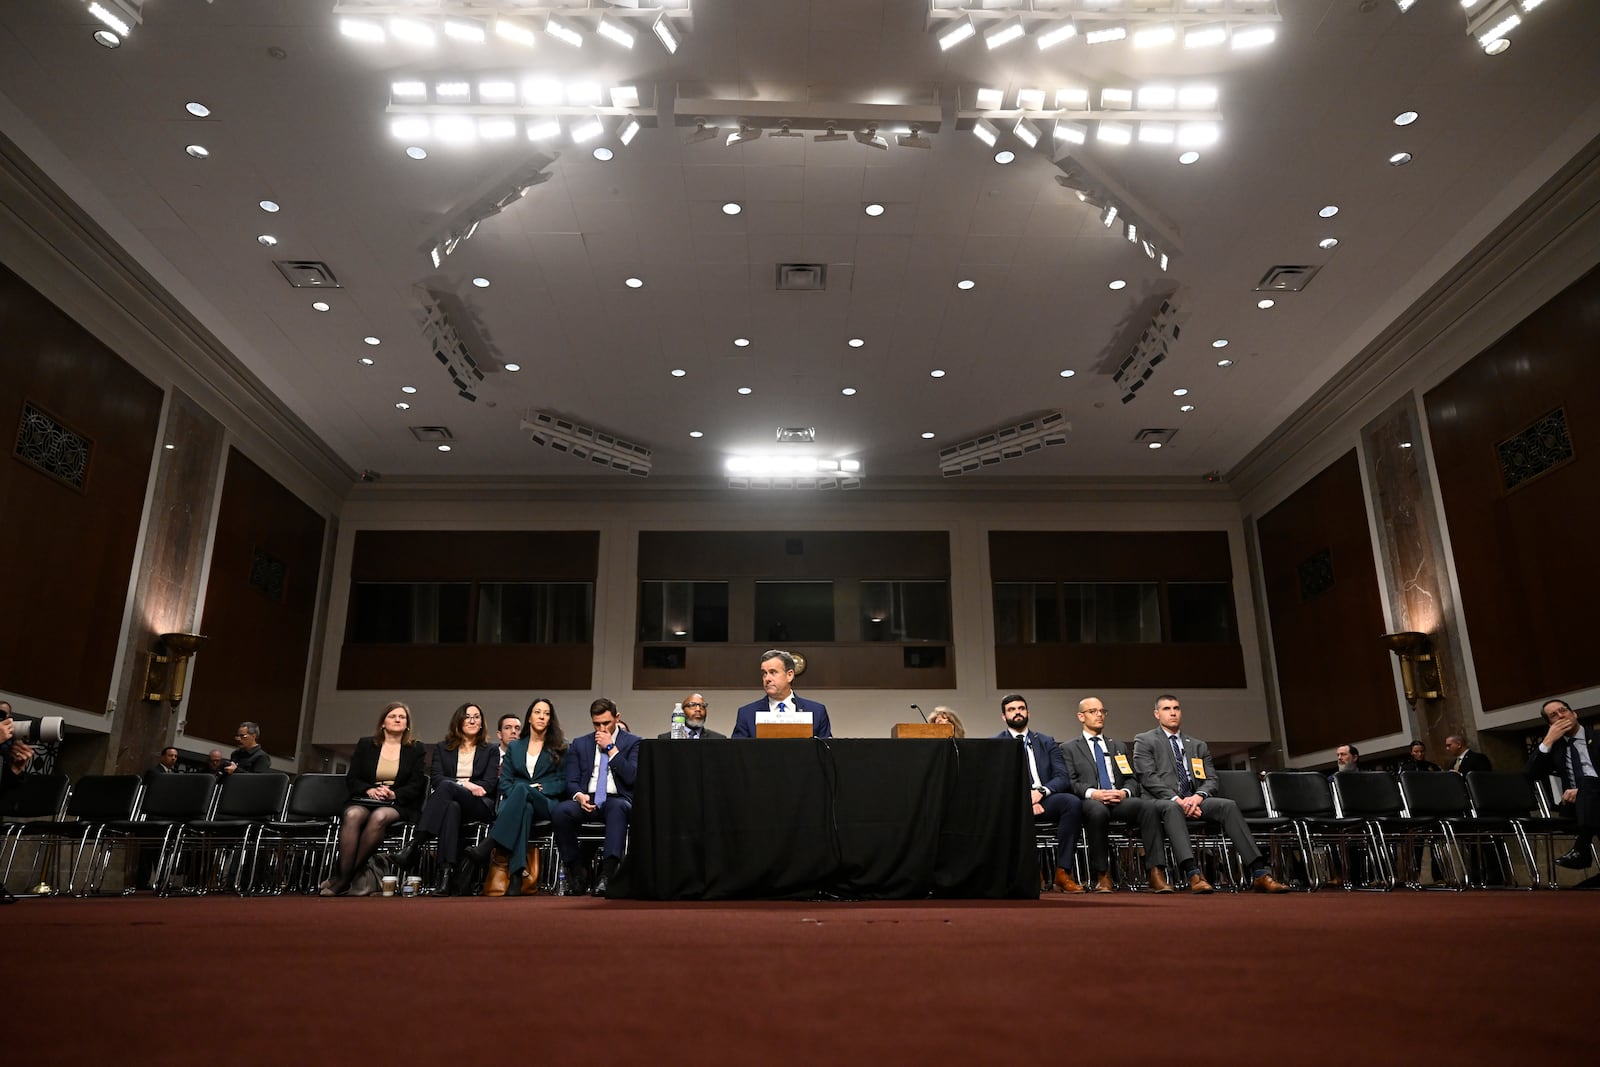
(797, 435)
(432, 433)
(1286, 279)
(306, 273)
(802, 277)
(1154, 435)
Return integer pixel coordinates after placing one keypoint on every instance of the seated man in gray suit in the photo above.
(695, 709)
(1176, 768)
(1102, 776)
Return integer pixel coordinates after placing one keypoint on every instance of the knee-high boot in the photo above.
(530, 877)
(499, 878)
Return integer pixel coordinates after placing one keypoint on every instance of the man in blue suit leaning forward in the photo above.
(1049, 786)
(777, 679)
(600, 772)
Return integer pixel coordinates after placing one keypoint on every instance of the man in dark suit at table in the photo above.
(1573, 752)
(695, 709)
(1176, 768)
(1102, 776)
(777, 680)
(600, 773)
(1049, 785)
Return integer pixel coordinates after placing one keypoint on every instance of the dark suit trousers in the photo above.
(448, 807)
(567, 817)
(1067, 810)
(1218, 811)
(520, 808)
(1097, 818)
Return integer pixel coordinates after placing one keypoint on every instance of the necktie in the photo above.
(1100, 764)
(781, 707)
(1577, 763)
(1186, 788)
(600, 780)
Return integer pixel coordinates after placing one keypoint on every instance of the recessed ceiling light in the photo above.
(371, 340)
(1224, 362)
(1221, 342)
(1116, 283)
(1399, 159)
(1329, 212)
(1327, 243)
(603, 154)
(444, 448)
(741, 342)
(1186, 408)
(197, 109)
(678, 372)
(267, 239)
(1180, 392)
(874, 210)
(1068, 373)
(732, 208)
(744, 390)
(169, 446)
(848, 391)
(481, 283)
(1405, 118)
(417, 152)
(107, 39)
(366, 361)
(1495, 47)
(513, 367)
(633, 283)
(1155, 444)
(855, 342)
(198, 151)
(408, 388)
(927, 435)
(1189, 157)
(965, 283)
(1265, 304)
(1004, 156)
(696, 433)
(936, 374)
(319, 305)
(269, 206)
(402, 406)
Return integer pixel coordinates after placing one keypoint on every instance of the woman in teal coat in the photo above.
(532, 780)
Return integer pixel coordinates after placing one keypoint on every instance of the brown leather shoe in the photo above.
(1158, 881)
(530, 877)
(498, 879)
(1265, 883)
(1066, 883)
(1103, 883)
(1198, 883)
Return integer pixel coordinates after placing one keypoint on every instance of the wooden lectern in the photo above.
(922, 729)
(783, 729)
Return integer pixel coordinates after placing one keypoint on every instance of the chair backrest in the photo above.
(1435, 794)
(1298, 795)
(104, 797)
(1502, 795)
(253, 796)
(177, 797)
(1244, 789)
(1368, 795)
(34, 796)
(318, 796)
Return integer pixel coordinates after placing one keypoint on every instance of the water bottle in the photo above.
(679, 730)
(561, 880)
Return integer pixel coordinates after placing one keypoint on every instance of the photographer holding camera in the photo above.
(14, 752)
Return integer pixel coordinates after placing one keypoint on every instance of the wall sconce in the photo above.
(1419, 670)
(180, 648)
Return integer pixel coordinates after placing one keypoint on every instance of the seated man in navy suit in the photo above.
(1573, 752)
(777, 679)
(600, 773)
(1049, 786)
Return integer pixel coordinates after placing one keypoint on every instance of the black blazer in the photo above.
(1475, 761)
(485, 767)
(408, 784)
(1559, 759)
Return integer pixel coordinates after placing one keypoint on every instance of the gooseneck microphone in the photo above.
(919, 711)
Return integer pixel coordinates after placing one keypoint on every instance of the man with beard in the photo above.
(1049, 785)
(695, 709)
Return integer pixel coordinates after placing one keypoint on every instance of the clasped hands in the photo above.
(380, 792)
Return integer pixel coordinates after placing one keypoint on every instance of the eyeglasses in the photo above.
(693, 704)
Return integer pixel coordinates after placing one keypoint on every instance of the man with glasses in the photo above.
(249, 757)
(694, 720)
(1102, 776)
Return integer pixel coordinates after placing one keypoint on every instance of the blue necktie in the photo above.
(1100, 764)
(600, 780)
(1185, 785)
(781, 707)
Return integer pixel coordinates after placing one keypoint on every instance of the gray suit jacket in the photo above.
(1152, 762)
(1080, 758)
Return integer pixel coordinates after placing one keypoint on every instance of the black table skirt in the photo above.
(858, 819)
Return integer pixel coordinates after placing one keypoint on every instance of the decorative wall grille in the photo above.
(47, 446)
(1537, 450)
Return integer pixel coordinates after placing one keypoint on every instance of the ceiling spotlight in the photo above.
(319, 305)
(783, 130)
(1155, 35)
(1117, 283)
(109, 39)
(1328, 243)
(269, 206)
(678, 372)
(1224, 362)
(1328, 212)
(870, 138)
(197, 109)
(417, 152)
(1003, 33)
(1189, 157)
(1208, 35)
(515, 32)
(1155, 444)
(1111, 31)
(615, 31)
(927, 435)
(1004, 156)
(914, 139)
(366, 361)
(855, 342)
(1027, 132)
(696, 434)
(586, 129)
(873, 209)
(467, 30)
(741, 342)
(732, 208)
(628, 130)
(1221, 342)
(1265, 304)
(402, 406)
(513, 367)
(936, 374)
(408, 389)
(1253, 36)
(603, 154)
(633, 283)
(666, 33)
(1068, 373)
(563, 31)
(1399, 159)
(444, 448)
(1057, 34)
(481, 283)
(831, 135)
(369, 339)
(1405, 118)
(355, 29)
(744, 133)
(966, 283)
(848, 391)
(115, 19)
(955, 32)
(744, 390)
(1186, 408)
(987, 132)
(702, 132)
(267, 239)
(544, 129)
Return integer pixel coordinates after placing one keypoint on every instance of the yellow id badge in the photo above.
(1197, 768)
(1122, 764)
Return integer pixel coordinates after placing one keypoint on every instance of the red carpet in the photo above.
(1305, 979)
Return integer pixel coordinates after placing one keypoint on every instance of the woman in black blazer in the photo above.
(386, 780)
(464, 772)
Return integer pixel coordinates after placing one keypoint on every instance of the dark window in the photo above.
(683, 611)
(794, 611)
(905, 611)
(1201, 612)
(409, 613)
(1120, 613)
(1025, 613)
(535, 613)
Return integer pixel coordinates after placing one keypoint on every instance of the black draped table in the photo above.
(850, 818)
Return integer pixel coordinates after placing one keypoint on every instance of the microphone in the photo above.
(919, 711)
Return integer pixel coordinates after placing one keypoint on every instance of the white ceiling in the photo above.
(1307, 122)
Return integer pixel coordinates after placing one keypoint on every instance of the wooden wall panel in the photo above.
(1095, 555)
(253, 665)
(66, 555)
(768, 555)
(1334, 676)
(1091, 666)
(1523, 560)
(875, 665)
